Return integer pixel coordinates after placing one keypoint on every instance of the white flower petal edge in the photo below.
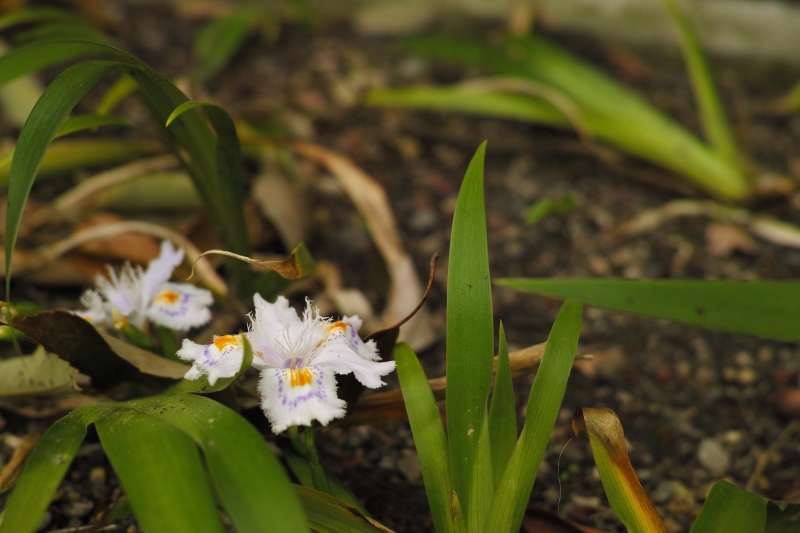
(158, 272)
(296, 397)
(94, 311)
(299, 357)
(142, 295)
(180, 306)
(220, 359)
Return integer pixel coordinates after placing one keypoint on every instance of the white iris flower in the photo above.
(298, 359)
(143, 295)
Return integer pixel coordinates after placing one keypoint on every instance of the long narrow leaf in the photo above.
(189, 136)
(430, 440)
(609, 111)
(712, 115)
(249, 479)
(220, 40)
(622, 487)
(76, 124)
(45, 468)
(161, 471)
(470, 335)
(544, 401)
(502, 413)
(37, 134)
(761, 308)
(71, 154)
(729, 509)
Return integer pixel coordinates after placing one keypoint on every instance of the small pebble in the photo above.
(78, 508)
(409, 466)
(713, 457)
(788, 403)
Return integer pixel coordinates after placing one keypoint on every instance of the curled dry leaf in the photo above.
(624, 491)
(12, 469)
(279, 201)
(298, 265)
(767, 228)
(372, 203)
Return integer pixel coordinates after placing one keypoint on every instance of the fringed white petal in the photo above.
(297, 397)
(273, 324)
(180, 306)
(368, 350)
(340, 357)
(220, 359)
(94, 311)
(122, 289)
(159, 271)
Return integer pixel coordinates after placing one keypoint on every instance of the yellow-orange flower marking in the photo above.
(300, 377)
(226, 340)
(169, 297)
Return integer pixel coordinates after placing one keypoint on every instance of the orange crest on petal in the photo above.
(225, 341)
(167, 296)
(300, 377)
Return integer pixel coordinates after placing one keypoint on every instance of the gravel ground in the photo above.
(696, 405)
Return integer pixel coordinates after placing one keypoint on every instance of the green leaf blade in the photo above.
(470, 335)
(45, 468)
(429, 438)
(39, 131)
(544, 402)
(712, 114)
(161, 471)
(762, 308)
(250, 481)
(729, 509)
(502, 413)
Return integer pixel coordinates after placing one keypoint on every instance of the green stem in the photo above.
(169, 345)
(321, 481)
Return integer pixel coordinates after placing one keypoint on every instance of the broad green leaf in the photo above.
(72, 154)
(762, 308)
(782, 517)
(430, 440)
(481, 491)
(712, 114)
(729, 509)
(547, 392)
(470, 335)
(38, 374)
(161, 471)
(502, 413)
(76, 124)
(202, 385)
(327, 514)
(45, 468)
(41, 127)
(249, 479)
(626, 495)
(220, 40)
